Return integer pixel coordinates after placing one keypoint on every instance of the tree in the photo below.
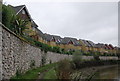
(7, 14)
(18, 25)
(64, 70)
(13, 21)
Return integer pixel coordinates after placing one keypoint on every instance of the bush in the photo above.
(77, 58)
(62, 51)
(56, 49)
(44, 47)
(96, 57)
(13, 21)
(64, 69)
(7, 14)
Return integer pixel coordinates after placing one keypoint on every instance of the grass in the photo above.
(51, 74)
(48, 71)
(33, 74)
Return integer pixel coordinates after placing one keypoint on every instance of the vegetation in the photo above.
(51, 74)
(61, 70)
(18, 25)
(77, 58)
(56, 49)
(7, 14)
(32, 74)
(64, 69)
(13, 21)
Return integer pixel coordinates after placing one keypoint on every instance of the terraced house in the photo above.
(51, 39)
(70, 43)
(23, 13)
(66, 43)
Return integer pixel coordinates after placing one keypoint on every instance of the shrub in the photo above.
(43, 46)
(7, 14)
(77, 58)
(96, 57)
(62, 50)
(13, 21)
(56, 49)
(64, 69)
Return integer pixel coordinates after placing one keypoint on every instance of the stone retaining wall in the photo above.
(17, 55)
(0, 52)
(108, 58)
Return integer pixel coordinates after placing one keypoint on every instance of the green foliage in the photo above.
(7, 14)
(43, 46)
(77, 58)
(51, 74)
(29, 39)
(13, 21)
(56, 49)
(71, 52)
(64, 69)
(47, 48)
(96, 57)
(18, 73)
(62, 50)
(32, 74)
(18, 25)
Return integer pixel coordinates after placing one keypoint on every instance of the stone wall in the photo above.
(17, 55)
(20, 56)
(0, 52)
(55, 57)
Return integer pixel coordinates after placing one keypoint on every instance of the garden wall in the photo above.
(17, 55)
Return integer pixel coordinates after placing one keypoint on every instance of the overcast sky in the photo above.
(95, 21)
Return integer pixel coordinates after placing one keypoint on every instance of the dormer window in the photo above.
(58, 40)
(33, 28)
(53, 39)
(23, 11)
(70, 42)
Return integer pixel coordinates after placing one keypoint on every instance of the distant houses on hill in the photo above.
(66, 43)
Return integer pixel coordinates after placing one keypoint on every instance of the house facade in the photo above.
(23, 13)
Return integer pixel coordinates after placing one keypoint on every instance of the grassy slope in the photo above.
(33, 74)
(51, 74)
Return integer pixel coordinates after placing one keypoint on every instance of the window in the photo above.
(23, 11)
(58, 40)
(33, 28)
